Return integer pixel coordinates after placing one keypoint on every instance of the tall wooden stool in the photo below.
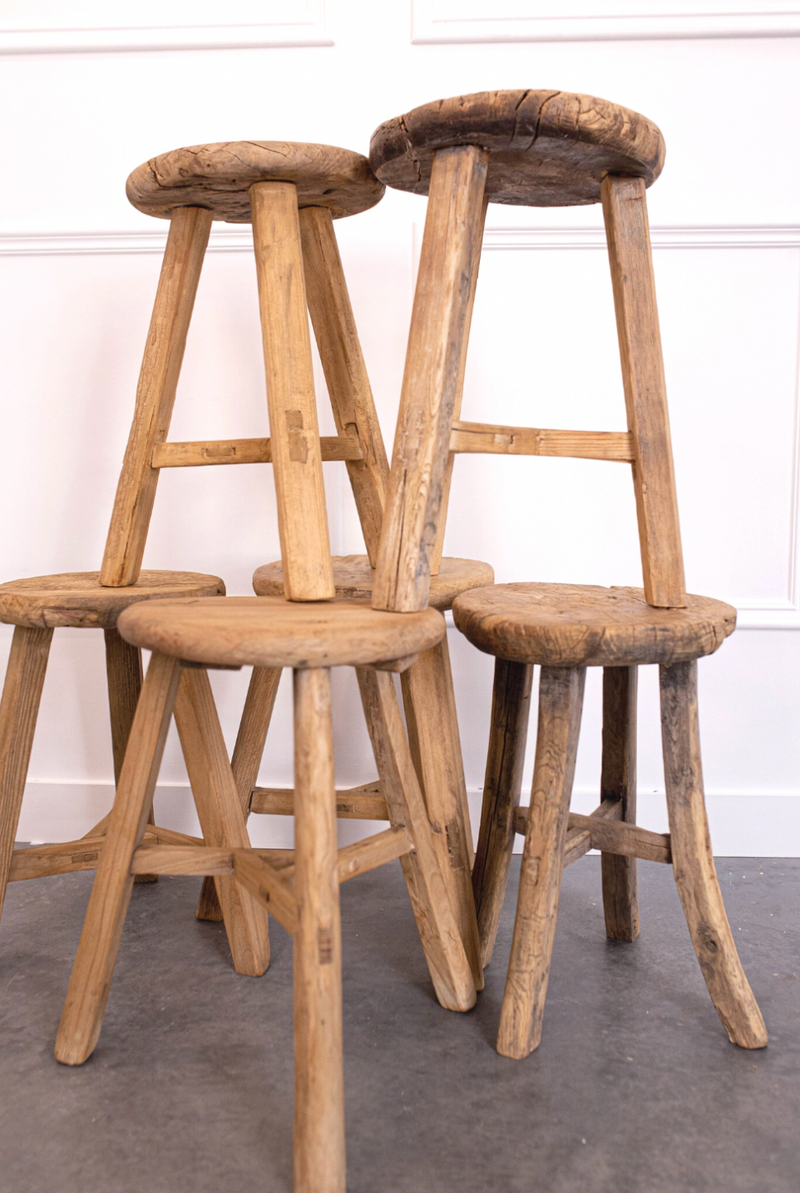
(310, 633)
(539, 148)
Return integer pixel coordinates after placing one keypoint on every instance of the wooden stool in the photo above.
(311, 633)
(542, 148)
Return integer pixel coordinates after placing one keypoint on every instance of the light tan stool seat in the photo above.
(354, 578)
(78, 599)
(545, 148)
(218, 177)
(273, 632)
(571, 625)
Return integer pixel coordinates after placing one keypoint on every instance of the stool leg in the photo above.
(511, 702)
(221, 816)
(438, 929)
(693, 862)
(19, 709)
(427, 688)
(247, 754)
(93, 970)
(560, 706)
(618, 782)
(319, 1149)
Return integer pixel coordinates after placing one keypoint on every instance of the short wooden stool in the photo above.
(310, 633)
(539, 148)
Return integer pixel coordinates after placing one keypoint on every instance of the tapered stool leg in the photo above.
(560, 706)
(89, 985)
(319, 1149)
(427, 688)
(508, 734)
(618, 782)
(19, 709)
(693, 862)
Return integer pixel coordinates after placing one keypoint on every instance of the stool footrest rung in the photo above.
(486, 438)
(243, 451)
(354, 803)
(604, 830)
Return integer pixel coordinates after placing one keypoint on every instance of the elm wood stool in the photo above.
(538, 148)
(309, 633)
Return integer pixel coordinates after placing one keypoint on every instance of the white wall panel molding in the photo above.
(453, 21)
(43, 27)
(225, 239)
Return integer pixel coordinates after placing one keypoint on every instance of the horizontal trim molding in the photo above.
(437, 23)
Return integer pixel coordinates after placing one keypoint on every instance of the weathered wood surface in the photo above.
(633, 282)
(693, 861)
(345, 372)
(372, 852)
(618, 785)
(155, 396)
(193, 454)
(77, 599)
(271, 632)
(19, 709)
(560, 705)
(491, 439)
(268, 884)
(219, 177)
(544, 148)
(508, 735)
(354, 579)
(437, 341)
(570, 625)
(353, 803)
(294, 431)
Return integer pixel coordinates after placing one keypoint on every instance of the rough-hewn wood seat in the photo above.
(272, 632)
(354, 578)
(546, 148)
(576, 625)
(218, 177)
(77, 599)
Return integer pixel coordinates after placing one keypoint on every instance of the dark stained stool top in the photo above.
(546, 148)
(218, 177)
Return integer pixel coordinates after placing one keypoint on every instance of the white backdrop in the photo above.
(83, 103)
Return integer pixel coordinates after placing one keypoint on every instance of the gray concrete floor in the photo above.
(635, 1088)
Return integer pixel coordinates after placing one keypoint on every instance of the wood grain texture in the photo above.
(633, 283)
(319, 1150)
(372, 852)
(441, 940)
(364, 802)
(618, 783)
(195, 454)
(155, 396)
(345, 372)
(19, 709)
(354, 579)
(222, 821)
(433, 729)
(294, 432)
(508, 735)
(693, 861)
(93, 970)
(442, 303)
(219, 177)
(492, 439)
(269, 885)
(272, 632)
(545, 148)
(78, 600)
(560, 705)
(570, 625)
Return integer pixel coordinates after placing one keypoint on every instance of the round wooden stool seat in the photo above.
(77, 599)
(546, 148)
(273, 632)
(583, 625)
(218, 177)
(354, 578)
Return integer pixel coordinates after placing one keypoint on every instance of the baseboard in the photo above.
(743, 824)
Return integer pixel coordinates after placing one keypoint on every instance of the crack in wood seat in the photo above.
(218, 177)
(354, 579)
(274, 632)
(545, 148)
(586, 625)
(77, 599)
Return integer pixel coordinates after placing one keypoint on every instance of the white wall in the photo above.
(78, 267)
